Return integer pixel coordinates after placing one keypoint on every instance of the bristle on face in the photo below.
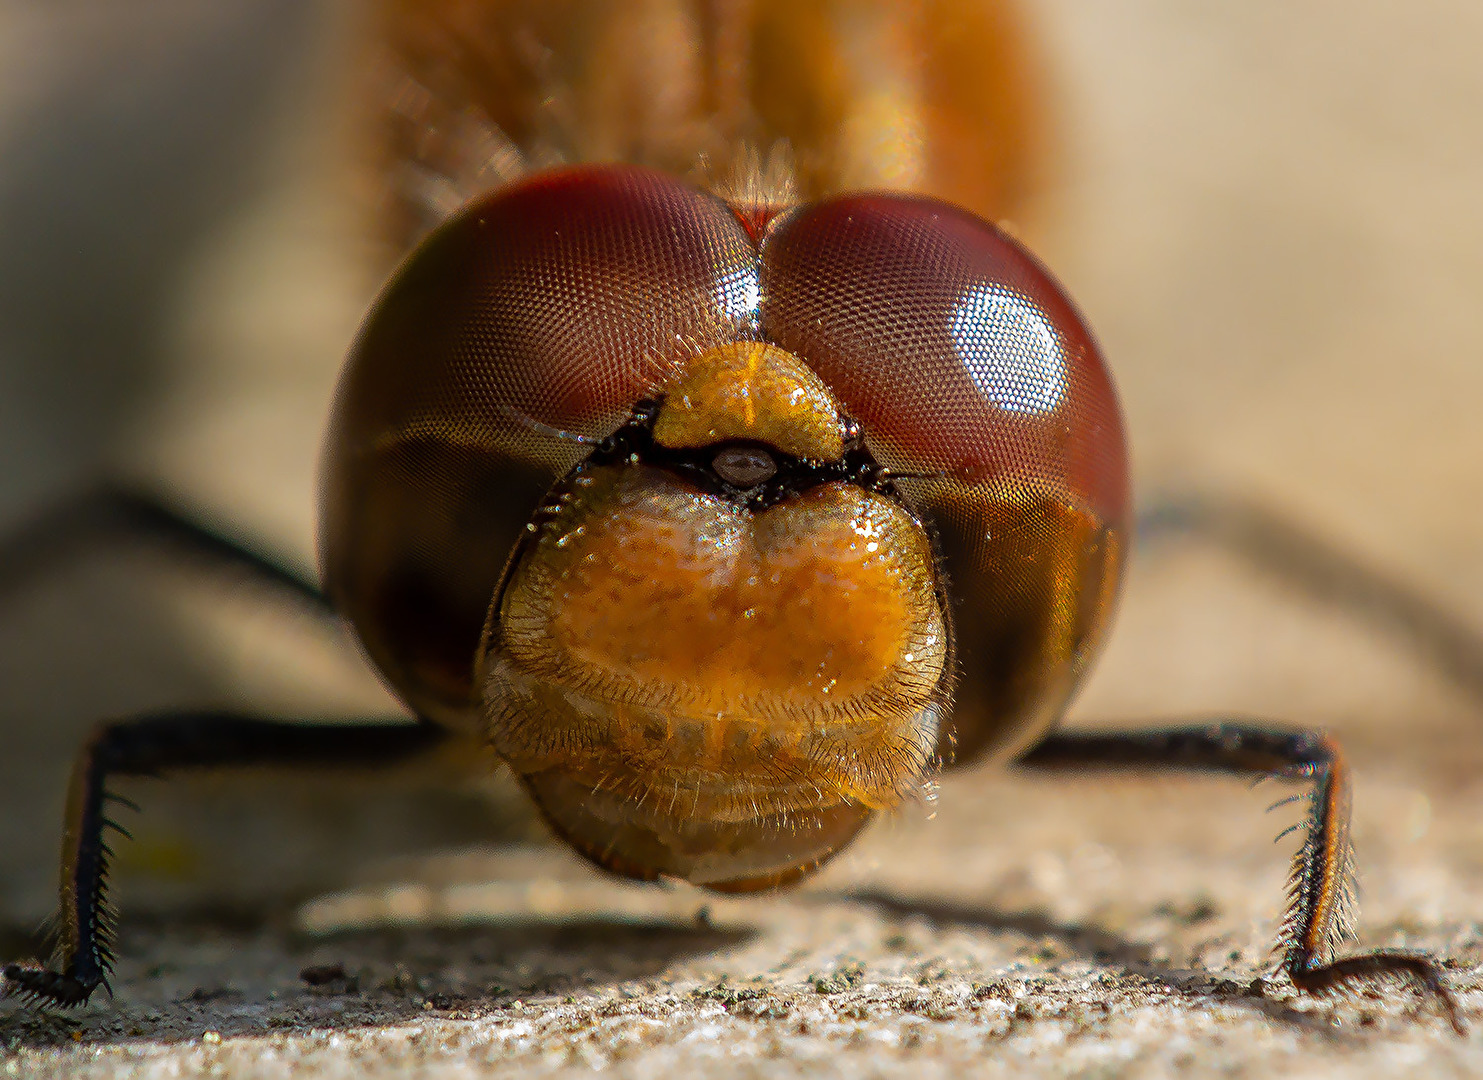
(758, 187)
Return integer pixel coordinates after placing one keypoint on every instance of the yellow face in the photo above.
(723, 644)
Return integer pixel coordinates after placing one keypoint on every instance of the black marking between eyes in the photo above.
(633, 443)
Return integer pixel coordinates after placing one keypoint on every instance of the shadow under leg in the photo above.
(1317, 568)
(1320, 908)
(108, 515)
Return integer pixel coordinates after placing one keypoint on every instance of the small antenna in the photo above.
(530, 423)
(897, 474)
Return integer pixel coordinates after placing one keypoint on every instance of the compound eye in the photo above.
(955, 349)
(744, 466)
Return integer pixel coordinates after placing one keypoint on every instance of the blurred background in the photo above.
(1268, 211)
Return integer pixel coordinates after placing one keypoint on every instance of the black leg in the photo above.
(154, 746)
(1320, 908)
(109, 514)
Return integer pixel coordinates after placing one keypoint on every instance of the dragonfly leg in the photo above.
(1320, 907)
(155, 746)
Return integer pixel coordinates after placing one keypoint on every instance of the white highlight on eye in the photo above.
(739, 294)
(1010, 349)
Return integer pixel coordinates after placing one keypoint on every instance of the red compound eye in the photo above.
(951, 345)
(965, 362)
(562, 299)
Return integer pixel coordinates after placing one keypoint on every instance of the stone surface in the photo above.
(1269, 212)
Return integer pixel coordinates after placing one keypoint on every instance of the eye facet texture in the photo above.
(555, 303)
(952, 346)
(965, 363)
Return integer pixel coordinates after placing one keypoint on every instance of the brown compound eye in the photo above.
(950, 343)
(549, 306)
(967, 366)
(744, 466)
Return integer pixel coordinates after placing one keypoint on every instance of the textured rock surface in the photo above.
(1269, 212)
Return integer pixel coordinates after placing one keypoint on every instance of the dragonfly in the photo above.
(714, 460)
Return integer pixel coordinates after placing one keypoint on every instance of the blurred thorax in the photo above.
(763, 101)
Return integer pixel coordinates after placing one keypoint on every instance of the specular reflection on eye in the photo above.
(1009, 348)
(739, 294)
